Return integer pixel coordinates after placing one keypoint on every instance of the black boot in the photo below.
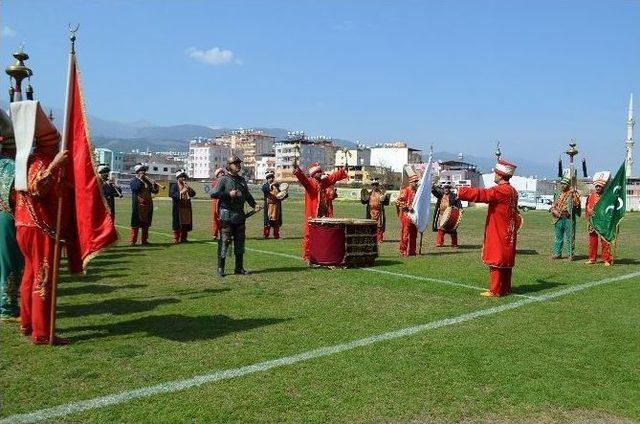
(239, 268)
(221, 267)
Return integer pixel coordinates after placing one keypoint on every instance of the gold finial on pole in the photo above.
(18, 72)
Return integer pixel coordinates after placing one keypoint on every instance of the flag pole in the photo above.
(571, 152)
(420, 250)
(63, 145)
(615, 246)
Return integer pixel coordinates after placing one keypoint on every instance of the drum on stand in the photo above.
(343, 242)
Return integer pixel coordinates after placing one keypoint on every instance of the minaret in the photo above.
(629, 141)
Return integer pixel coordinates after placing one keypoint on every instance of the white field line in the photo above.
(179, 385)
(379, 271)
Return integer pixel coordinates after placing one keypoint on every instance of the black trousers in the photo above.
(228, 232)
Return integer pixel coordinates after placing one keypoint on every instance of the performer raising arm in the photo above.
(446, 198)
(375, 202)
(501, 227)
(315, 201)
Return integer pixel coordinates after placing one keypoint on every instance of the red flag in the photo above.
(89, 226)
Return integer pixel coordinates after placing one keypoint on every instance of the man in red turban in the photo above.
(501, 227)
(404, 203)
(315, 196)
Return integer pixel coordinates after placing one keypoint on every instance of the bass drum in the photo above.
(450, 219)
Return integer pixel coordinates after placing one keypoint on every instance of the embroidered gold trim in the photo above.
(42, 277)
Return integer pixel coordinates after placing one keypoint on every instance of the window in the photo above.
(155, 168)
(165, 169)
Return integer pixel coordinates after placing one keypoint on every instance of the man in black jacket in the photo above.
(446, 198)
(232, 191)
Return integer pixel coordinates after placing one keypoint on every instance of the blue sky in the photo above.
(456, 74)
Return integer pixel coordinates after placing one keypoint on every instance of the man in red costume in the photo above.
(36, 211)
(331, 194)
(409, 232)
(600, 180)
(315, 196)
(215, 217)
(501, 227)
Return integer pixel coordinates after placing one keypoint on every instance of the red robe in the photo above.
(500, 232)
(36, 211)
(592, 200)
(409, 232)
(330, 195)
(315, 200)
(503, 222)
(215, 218)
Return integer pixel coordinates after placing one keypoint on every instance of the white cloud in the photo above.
(214, 56)
(8, 32)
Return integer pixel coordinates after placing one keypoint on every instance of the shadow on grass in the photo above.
(188, 292)
(114, 306)
(151, 246)
(281, 269)
(442, 252)
(271, 238)
(626, 261)
(178, 328)
(533, 288)
(469, 246)
(387, 262)
(527, 252)
(67, 290)
(91, 277)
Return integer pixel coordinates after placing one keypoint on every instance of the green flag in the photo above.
(611, 207)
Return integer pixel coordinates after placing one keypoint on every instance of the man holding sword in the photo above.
(232, 192)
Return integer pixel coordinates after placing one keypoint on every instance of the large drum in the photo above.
(450, 219)
(343, 242)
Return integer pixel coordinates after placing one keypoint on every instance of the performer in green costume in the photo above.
(10, 257)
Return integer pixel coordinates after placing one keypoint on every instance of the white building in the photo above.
(264, 164)
(111, 158)
(248, 144)
(354, 157)
(163, 170)
(205, 158)
(306, 152)
(394, 156)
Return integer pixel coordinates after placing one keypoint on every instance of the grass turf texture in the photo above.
(148, 315)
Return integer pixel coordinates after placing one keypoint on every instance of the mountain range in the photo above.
(143, 135)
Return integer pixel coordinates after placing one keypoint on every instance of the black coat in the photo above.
(453, 201)
(232, 209)
(174, 193)
(110, 193)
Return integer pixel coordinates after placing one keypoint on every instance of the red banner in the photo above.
(90, 228)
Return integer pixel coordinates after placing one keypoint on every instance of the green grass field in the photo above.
(144, 316)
